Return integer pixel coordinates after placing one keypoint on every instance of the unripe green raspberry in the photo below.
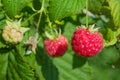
(13, 32)
(11, 35)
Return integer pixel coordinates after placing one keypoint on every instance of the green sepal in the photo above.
(23, 29)
(16, 25)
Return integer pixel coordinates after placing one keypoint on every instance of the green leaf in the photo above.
(31, 59)
(48, 69)
(76, 60)
(106, 58)
(2, 24)
(13, 7)
(1, 16)
(3, 65)
(59, 9)
(18, 68)
(15, 67)
(115, 11)
(67, 70)
(2, 44)
(104, 63)
(95, 5)
(111, 37)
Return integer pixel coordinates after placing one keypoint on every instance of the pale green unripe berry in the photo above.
(13, 32)
(12, 35)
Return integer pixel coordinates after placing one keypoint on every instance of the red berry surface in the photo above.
(86, 44)
(56, 48)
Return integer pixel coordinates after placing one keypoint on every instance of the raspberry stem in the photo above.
(49, 23)
(38, 12)
(87, 13)
(30, 17)
(41, 11)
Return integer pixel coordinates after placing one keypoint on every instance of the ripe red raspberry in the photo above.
(85, 43)
(56, 48)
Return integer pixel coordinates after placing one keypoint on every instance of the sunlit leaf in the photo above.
(13, 7)
(115, 11)
(59, 9)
